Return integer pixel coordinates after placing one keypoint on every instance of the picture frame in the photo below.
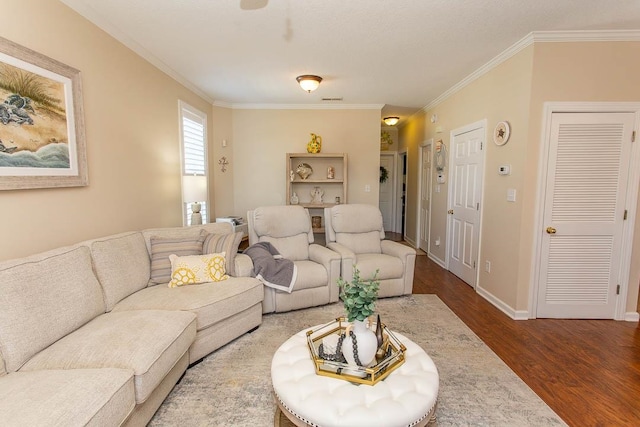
(42, 130)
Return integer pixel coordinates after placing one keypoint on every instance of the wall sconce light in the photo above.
(391, 121)
(309, 82)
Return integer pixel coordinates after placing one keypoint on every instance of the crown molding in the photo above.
(515, 48)
(101, 22)
(307, 106)
(587, 36)
(223, 104)
(537, 37)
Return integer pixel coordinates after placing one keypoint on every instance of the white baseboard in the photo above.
(437, 260)
(631, 316)
(502, 306)
(410, 241)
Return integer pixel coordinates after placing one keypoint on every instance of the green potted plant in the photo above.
(359, 297)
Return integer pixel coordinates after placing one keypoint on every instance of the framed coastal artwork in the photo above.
(42, 141)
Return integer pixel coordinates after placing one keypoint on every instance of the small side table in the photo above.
(407, 397)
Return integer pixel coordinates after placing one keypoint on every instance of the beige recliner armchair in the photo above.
(288, 229)
(356, 233)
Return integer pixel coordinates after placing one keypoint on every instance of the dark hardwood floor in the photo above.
(587, 371)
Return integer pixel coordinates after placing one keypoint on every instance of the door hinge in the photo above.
(482, 143)
(633, 136)
(477, 206)
(625, 215)
(618, 290)
(474, 265)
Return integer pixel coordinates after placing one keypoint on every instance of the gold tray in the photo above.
(357, 374)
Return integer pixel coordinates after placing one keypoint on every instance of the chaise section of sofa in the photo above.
(77, 397)
(86, 338)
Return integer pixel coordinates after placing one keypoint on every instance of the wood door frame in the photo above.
(419, 225)
(549, 108)
(394, 187)
(480, 124)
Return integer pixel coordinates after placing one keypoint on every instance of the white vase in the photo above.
(367, 345)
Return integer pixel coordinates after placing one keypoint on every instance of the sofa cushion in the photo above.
(227, 243)
(389, 267)
(211, 302)
(122, 265)
(179, 232)
(295, 248)
(310, 275)
(356, 218)
(162, 247)
(43, 298)
(149, 342)
(368, 242)
(196, 269)
(83, 397)
(287, 228)
(282, 221)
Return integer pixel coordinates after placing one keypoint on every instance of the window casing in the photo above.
(193, 143)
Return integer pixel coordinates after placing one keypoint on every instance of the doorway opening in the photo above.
(402, 191)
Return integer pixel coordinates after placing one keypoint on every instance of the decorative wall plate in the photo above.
(501, 133)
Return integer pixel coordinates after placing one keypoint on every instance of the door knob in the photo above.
(551, 230)
(450, 211)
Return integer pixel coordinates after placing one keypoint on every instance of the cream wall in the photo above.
(221, 190)
(131, 114)
(261, 139)
(502, 94)
(410, 136)
(516, 91)
(590, 72)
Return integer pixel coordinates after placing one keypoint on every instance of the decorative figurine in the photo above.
(294, 199)
(316, 196)
(330, 172)
(315, 144)
(291, 176)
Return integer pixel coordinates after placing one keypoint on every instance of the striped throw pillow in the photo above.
(162, 247)
(227, 243)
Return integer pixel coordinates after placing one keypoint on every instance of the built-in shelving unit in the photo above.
(332, 188)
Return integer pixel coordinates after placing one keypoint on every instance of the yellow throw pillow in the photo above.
(194, 269)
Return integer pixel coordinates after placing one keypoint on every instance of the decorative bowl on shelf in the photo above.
(304, 170)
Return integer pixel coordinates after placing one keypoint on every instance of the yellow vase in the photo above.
(315, 144)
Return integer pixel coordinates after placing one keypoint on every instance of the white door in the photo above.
(587, 174)
(387, 192)
(425, 196)
(465, 191)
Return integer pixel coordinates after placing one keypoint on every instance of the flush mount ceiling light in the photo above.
(309, 82)
(391, 121)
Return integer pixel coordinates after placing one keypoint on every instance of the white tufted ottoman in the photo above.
(407, 397)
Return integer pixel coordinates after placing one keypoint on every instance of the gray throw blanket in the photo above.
(270, 268)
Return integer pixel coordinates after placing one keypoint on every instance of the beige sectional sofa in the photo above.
(87, 339)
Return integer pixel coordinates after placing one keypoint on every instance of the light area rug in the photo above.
(232, 386)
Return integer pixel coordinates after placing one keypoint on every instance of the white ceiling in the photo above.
(402, 54)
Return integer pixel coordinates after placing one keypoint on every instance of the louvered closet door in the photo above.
(587, 173)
